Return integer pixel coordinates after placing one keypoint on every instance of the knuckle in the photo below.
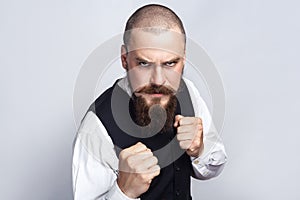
(200, 127)
(195, 121)
(150, 152)
(130, 161)
(142, 145)
(181, 144)
(180, 121)
(143, 176)
(199, 120)
(157, 167)
(179, 129)
(155, 160)
(157, 172)
(139, 144)
(123, 153)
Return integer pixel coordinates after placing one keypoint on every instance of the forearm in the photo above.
(93, 180)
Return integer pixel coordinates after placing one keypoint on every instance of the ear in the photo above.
(184, 57)
(124, 57)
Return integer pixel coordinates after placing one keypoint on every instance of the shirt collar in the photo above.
(125, 85)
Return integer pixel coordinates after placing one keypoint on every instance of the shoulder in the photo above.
(197, 101)
(102, 100)
(190, 85)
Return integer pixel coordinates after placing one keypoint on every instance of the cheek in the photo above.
(138, 78)
(173, 77)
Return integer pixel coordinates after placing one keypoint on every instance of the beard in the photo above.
(153, 113)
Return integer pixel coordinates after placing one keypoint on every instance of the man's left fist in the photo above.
(189, 134)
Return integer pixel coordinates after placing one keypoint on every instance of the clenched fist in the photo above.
(137, 167)
(189, 134)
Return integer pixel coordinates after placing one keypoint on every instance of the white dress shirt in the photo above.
(95, 164)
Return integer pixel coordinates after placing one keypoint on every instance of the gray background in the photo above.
(254, 44)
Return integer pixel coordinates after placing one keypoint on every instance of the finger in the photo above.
(191, 128)
(177, 120)
(196, 141)
(191, 152)
(134, 163)
(150, 174)
(190, 120)
(146, 168)
(195, 144)
(150, 162)
(142, 155)
(192, 147)
(185, 144)
(154, 171)
(138, 147)
(142, 165)
(185, 136)
(200, 127)
(137, 158)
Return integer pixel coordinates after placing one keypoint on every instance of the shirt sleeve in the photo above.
(95, 164)
(213, 157)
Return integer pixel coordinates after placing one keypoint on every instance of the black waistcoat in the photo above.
(174, 179)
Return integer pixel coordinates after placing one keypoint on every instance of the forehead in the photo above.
(171, 41)
(153, 55)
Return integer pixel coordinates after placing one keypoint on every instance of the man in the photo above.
(144, 137)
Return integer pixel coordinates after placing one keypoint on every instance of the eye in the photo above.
(143, 64)
(171, 64)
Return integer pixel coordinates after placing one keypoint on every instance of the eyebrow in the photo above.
(173, 60)
(144, 60)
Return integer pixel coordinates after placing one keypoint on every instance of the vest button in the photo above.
(177, 192)
(177, 168)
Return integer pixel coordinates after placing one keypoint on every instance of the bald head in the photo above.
(153, 18)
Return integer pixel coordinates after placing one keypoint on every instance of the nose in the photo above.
(157, 76)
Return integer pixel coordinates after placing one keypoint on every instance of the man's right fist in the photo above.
(137, 167)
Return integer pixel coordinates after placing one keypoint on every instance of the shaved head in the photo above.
(153, 55)
(153, 18)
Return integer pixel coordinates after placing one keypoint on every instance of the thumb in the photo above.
(177, 119)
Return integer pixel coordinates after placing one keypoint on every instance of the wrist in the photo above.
(126, 191)
(197, 152)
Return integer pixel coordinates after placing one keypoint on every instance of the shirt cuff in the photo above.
(115, 193)
(209, 166)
